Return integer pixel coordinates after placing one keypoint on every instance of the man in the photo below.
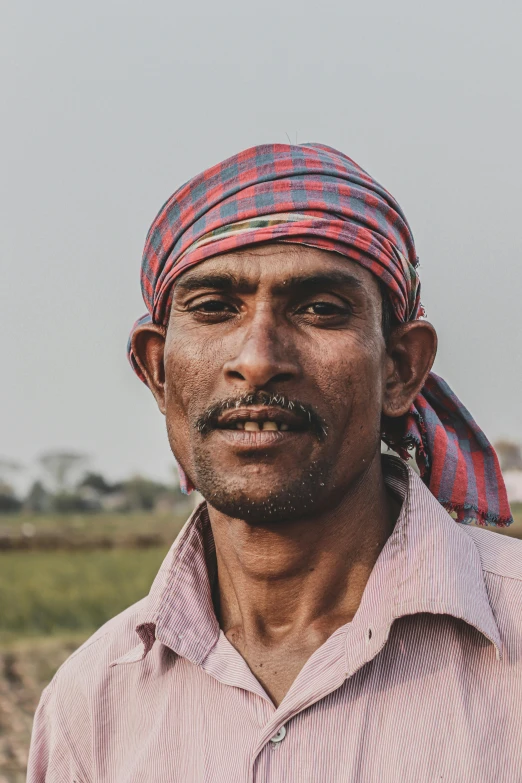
(321, 617)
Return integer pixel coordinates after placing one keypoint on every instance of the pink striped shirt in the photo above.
(425, 684)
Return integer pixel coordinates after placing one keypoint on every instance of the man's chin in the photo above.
(274, 508)
(265, 499)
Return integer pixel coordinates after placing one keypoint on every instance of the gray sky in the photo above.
(110, 106)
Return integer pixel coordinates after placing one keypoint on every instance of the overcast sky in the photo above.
(109, 106)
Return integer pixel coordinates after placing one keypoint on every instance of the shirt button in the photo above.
(279, 736)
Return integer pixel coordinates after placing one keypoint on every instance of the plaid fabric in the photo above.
(317, 196)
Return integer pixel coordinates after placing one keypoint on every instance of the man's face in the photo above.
(275, 368)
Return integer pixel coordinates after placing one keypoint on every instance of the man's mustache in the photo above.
(306, 412)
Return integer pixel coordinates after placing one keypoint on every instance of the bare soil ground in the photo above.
(25, 668)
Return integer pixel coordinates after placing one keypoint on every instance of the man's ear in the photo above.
(411, 352)
(148, 345)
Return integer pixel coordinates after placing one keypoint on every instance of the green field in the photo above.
(89, 531)
(44, 593)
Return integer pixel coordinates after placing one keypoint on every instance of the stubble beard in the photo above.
(300, 497)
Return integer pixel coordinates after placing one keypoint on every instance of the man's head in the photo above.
(274, 373)
(330, 361)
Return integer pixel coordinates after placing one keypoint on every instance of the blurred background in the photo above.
(107, 108)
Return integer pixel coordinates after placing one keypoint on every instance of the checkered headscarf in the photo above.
(314, 195)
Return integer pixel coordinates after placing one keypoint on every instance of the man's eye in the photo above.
(212, 306)
(325, 308)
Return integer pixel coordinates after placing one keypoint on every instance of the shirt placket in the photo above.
(313, 684)
(344, 653)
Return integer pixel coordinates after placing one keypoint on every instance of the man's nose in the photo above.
(264, 355)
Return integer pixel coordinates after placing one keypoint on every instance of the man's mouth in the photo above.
(261, 419)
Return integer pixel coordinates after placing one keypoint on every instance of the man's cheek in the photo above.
(186, 379)
(360, 398)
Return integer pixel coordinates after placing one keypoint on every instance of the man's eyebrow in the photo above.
(219, 281)
(318, 282)
(227, 282)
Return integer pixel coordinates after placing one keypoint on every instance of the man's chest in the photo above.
(198, 730)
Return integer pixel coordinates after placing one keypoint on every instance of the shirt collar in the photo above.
(428, 564)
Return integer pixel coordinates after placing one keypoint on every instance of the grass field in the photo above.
(89, 531)
(43, 593)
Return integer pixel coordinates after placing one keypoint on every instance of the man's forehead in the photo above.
(276, 264)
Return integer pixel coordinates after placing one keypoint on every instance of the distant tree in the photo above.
(97, 482)
(37, 499)
(509, 454)
(69, 502)
(60, 466)
(142, 493)
(9, 502)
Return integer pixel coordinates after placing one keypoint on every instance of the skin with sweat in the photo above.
(273, 374)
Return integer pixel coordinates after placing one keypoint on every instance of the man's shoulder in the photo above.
(501, 560)
(500, 555)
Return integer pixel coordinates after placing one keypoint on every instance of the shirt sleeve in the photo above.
(50, 756)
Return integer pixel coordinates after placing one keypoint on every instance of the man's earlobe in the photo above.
(148, 345)
(411, 352)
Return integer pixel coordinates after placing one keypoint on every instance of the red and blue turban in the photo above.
(314, 195)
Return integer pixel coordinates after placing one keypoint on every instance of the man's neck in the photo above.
(288, 586)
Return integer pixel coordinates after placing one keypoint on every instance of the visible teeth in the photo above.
(240, 425)
(283, 427)
(251, 426)
(270, 425)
